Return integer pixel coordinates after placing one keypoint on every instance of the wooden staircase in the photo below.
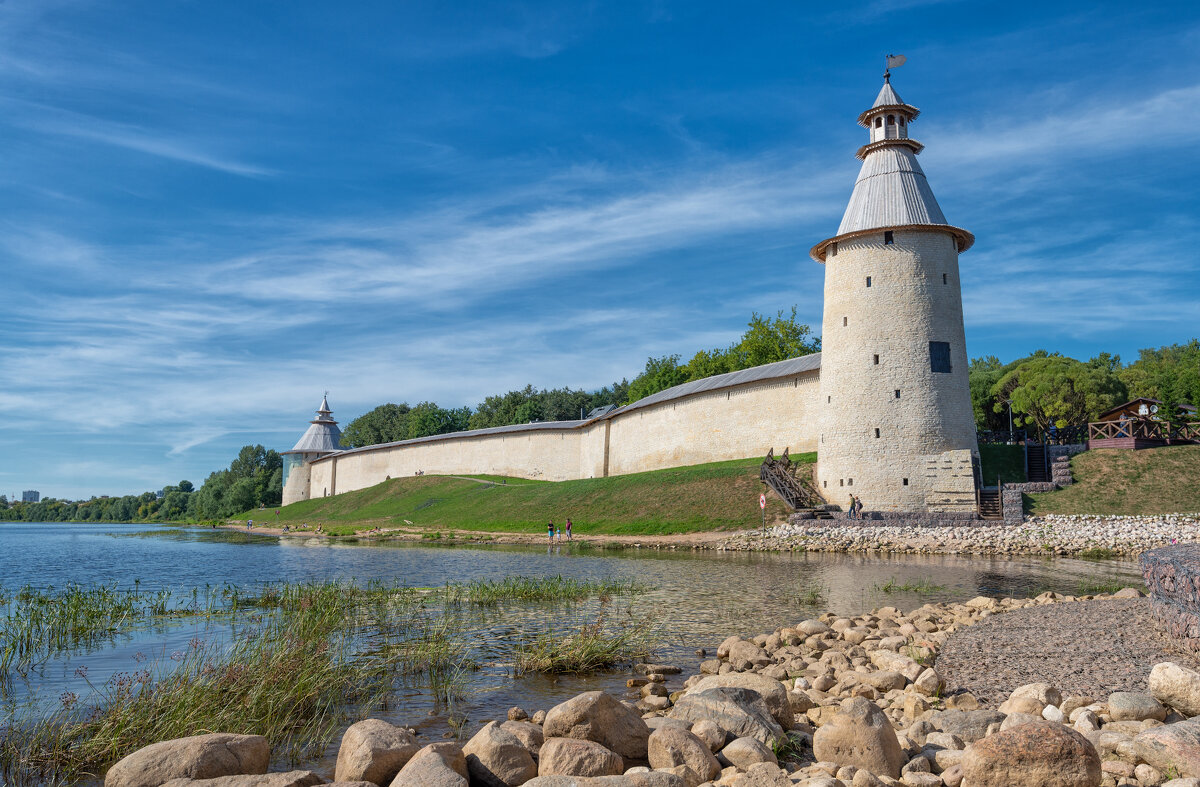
(990, 506)
(796, 492)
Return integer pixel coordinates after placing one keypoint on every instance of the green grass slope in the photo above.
(1111, 481)
(713, 496)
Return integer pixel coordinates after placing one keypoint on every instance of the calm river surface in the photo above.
(699, 598)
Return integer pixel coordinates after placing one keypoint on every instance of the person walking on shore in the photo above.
(550, 531)
(568, 528)
(853, 507)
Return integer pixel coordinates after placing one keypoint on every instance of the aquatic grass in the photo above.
(1098, 587)
(1099, 553)
(590, 648)
(922, 587)
(295, 681)
(557, 588)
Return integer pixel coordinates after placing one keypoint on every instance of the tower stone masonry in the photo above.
(896, 427)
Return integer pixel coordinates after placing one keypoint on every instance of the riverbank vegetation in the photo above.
(294, 663)
(716, 496)
(1110, 481)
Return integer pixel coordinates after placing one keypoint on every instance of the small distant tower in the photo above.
(894, 388)
(321, 439)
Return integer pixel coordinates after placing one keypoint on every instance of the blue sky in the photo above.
(213, 212)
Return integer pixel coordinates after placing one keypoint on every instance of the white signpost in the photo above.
(762, 503)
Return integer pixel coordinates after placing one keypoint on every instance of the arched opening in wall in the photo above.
(879, 122)
(902, 120)
(891, 120)
(889, 238)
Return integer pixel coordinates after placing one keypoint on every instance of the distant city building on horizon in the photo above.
(31, 496)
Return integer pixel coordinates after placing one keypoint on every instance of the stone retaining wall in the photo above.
(1173, 576)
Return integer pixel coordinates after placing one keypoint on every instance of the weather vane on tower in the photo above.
(893, 61)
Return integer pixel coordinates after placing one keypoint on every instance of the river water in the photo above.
(698, 598)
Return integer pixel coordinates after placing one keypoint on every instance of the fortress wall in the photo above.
(551, 455)
(733, 423)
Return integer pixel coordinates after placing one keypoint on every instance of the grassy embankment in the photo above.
(721, 495)
(1112, 481)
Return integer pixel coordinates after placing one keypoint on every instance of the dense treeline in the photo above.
(767, 339)
(254, 478)
(1050, 390)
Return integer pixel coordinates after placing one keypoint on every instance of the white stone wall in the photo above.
(875, 341)
(732, 423)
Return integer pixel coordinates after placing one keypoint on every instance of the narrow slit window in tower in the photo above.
(826, 484)
(868, 281)
(877, 431)
(877, 360)
(939, 357)
(849, 482)
(845, 321)
(944, 279)
(897, 393)
(828, 400)
(841, 482)
(906, 482)
(888, 238)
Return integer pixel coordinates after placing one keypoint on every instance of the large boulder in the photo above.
(651, 779)
(576, 757)
(1134, 706)
(374, 751)
(197, 757)
(289, 779)
(596, 716)
(1042, 753)
(970, 725)
(1176, 686)
(497, 758)
(741, 712)
(1172, 747)
(671, 746)
(744, 752)
(528, 733)
(745, 655)
(860, 735)
(436, 765)
(774, 693)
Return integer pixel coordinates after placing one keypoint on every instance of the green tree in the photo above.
(659, 374)
(387, 423)
(982, 375)
(1052, 390)
(768, 340)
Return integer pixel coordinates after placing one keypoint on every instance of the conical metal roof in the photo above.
(891, 191)
(322, 435)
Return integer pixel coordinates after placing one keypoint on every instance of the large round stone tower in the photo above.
(894, 388)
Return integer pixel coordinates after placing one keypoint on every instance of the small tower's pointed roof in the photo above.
(322, 436)
(891, 191)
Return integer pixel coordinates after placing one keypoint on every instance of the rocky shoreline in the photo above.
(1058, 535)
(826, 702)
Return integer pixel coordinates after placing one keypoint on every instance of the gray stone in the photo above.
(596, 716)
(741, 712)
(1176, 686)
(576, 757)
(197, 757)
(374, 751)
(1134, 706)
(439, 764)
(651, 779)
(774, 693)
(289, 779)
(497, 758)
(744, 752)
(669, 747)
(745, 655)
(970, 725)
(860, 735)
(1171, 747)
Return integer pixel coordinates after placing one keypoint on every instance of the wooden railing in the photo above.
(1145, 429)
(781, 475)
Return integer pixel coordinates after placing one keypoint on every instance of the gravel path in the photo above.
(1092, 648)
